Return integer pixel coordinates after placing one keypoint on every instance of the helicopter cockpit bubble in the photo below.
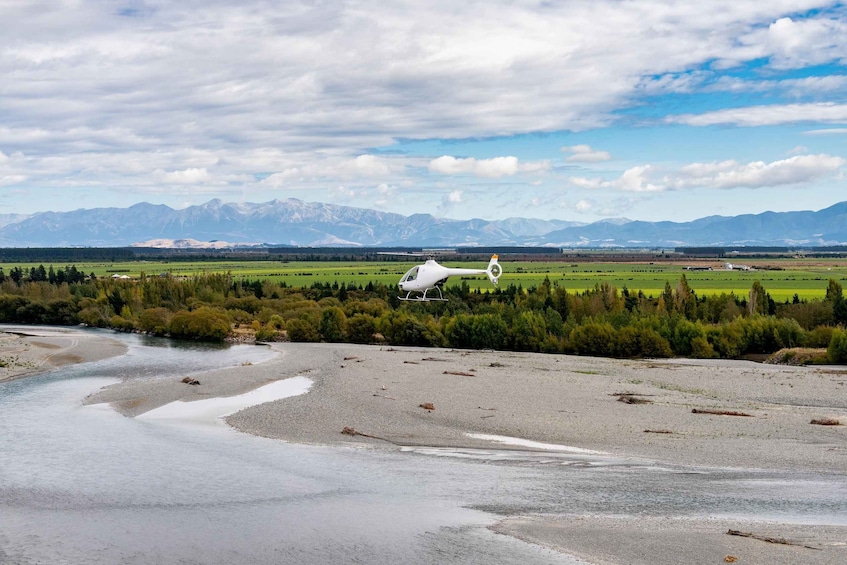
(410, 275)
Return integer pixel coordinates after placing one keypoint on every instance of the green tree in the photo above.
(837, 350)
(203, 324)
(333, 324)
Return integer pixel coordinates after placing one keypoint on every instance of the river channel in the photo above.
(83, 484)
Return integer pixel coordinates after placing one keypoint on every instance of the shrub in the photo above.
(594, 338)
(361, 328)
(203, 324)
(154, 320)
(333, 324)
(702, 349)
(302, 329)
(837, 350)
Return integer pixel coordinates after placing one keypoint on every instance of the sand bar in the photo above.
(26, 350)
(394, 397)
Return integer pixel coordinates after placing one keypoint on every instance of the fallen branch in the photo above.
(826, 422)
(459, 373)
(433, 359)
(629, 399)
(351, 432)
(658, 432)
(780, 541)
(384, 396)
(720, 412)
(411, 362)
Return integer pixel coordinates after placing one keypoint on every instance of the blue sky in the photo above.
(580, 110)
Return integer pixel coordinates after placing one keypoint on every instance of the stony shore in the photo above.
(28, 350)
(391, 397)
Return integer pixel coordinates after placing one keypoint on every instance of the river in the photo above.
(83, 484)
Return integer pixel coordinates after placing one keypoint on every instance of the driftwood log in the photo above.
(768, 539)
(720, 412)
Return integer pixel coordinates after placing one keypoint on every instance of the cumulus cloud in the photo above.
(724, 174)
(732, 174)
(496, 167)
(634, 179)
(187, 176)
(584, 205)
(585, 154)
(489, 168)
(792, 44)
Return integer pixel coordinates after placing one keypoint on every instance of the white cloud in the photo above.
(187, 176)
(585, 154)
(792, 44)
(343, 193)
(361, 167)
(489, 168)
(496, 167)
(454, 197)
(6, 180)
(724, 174)
(634, 179)
(767, 115)
(828, 131)
(301, 94)
(731, 174)
(584, 206)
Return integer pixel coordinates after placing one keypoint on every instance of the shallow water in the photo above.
(82, 484)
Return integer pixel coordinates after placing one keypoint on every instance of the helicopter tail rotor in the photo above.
(494, 270)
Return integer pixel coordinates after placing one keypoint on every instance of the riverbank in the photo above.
(25, 351)
(391, 397)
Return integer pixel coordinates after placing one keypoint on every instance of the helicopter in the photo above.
(424, 278)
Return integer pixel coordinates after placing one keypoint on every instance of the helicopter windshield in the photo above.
(410, 275)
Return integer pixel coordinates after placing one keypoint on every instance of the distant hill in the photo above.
(294, 222)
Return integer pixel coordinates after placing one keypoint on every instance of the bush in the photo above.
(203, 324)
(333, 323)
(837, 350)
(702, 349)
(594, 338)
(267, 333)
(653, 344)
(302, 329)
(399, 328)
(154, 320)
(361, 328)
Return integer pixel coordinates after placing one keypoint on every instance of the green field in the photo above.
(782, 278)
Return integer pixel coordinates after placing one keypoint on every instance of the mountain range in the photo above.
(298, 223)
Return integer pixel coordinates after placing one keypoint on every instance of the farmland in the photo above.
(782, 278)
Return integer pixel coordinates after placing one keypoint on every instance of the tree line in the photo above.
(603, 321)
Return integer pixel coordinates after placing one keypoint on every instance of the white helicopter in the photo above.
(423, 278)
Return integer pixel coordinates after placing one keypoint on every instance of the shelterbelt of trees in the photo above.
(604, 321)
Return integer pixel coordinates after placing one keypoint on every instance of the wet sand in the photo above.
(396, 397)
(26, 351)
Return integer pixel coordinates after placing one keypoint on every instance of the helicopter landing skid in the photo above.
(423, 297)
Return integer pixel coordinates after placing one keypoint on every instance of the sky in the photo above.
(582, 110)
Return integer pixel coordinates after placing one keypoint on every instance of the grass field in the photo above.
(782, 278)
